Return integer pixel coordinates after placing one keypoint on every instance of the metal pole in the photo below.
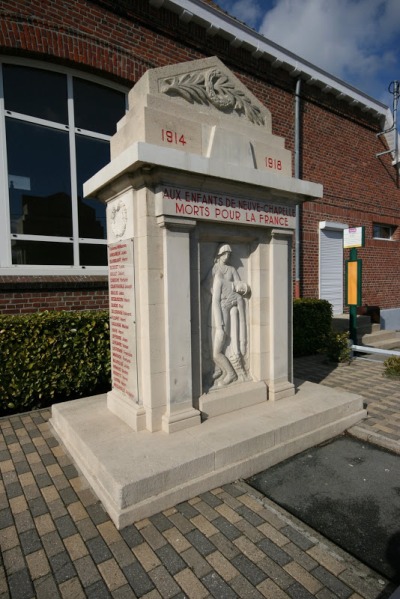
(297, 174)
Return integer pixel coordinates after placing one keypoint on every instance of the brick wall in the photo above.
(121, 40)
(19, 295)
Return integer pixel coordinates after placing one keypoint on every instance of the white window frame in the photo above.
(6, 266)
(392, 231)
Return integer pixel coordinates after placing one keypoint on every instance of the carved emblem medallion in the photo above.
(119, 219)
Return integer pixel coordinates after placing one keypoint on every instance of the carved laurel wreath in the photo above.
(212, 87)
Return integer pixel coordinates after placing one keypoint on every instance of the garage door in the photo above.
(331, 265)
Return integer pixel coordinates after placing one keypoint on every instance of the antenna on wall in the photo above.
(391, 133)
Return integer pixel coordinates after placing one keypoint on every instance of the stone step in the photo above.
(381, 339)
(137, 474)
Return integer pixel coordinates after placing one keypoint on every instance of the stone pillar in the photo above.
(281, 335)
(178, 345)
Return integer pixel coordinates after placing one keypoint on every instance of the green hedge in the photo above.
(52, 356)
(312, 322)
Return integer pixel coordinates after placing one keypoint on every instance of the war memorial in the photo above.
(201, 214)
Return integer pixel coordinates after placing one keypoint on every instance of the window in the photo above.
(55, 129)
(383, 231)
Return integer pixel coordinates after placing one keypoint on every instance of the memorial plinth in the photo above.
(201, 207)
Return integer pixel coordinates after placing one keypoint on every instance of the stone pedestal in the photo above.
(195, 168)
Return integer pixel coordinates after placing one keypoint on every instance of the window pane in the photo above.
(39, 179)
(41, 252)
(92, 255)
(35, 92)
(97, 108)
(91, 156)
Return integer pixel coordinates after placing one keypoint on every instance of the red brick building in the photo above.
(65, 70)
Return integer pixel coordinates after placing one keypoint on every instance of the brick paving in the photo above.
(366, 378)
(57, 541)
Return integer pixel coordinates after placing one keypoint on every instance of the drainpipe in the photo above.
(297, 174)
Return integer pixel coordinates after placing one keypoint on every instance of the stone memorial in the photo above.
(201, 211)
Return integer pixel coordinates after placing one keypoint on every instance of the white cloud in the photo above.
(353, 39)
(247, 11)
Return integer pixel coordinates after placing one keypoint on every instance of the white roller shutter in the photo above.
(331, 265)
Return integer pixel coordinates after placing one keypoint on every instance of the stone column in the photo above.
(281, 336)
(179, 413)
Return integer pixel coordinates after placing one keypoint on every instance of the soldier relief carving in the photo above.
(228, 320)
(212, 87)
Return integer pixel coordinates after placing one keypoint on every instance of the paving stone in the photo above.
(225, 546)
(131, 536)
(43, 480)
(87, 571)
(249, 530)
(300, 557)
(76, 547)
(65, 526)
(138, 579)
(274, 571)
(187, 510)
(30, 541)
(332, 583)
(273, 534)
(72, 589)
(6, 518)
(109, 532)
(228, 530)
(171, 559)
(217, 586)
(112, 574)
(273, 551)
(87, 529)
(233, 490)
(250, 516)
(98, 549)
(270, 590)
(124, 592)
(200, 542)
(164, 582)
(246, 567)
(38, 564)
(52, 543)
(68, 495)
(222, 566)
(13, 560)
(192, 587)
(153, 537)
(146, 556)
(204, 525)
(14, 490)
(196, 562)
(243, 588)
(297, 591)
(62, 567)
(97, 513)
(183, 524)
(307, 580)
(97, 590)
(20, 585)
(46, 588)
(207, 511)
(161, 522)
(210, 499)
(122, 553)
(37, 506)
(176, 539)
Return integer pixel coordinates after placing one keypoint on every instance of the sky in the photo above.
(356, 40)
